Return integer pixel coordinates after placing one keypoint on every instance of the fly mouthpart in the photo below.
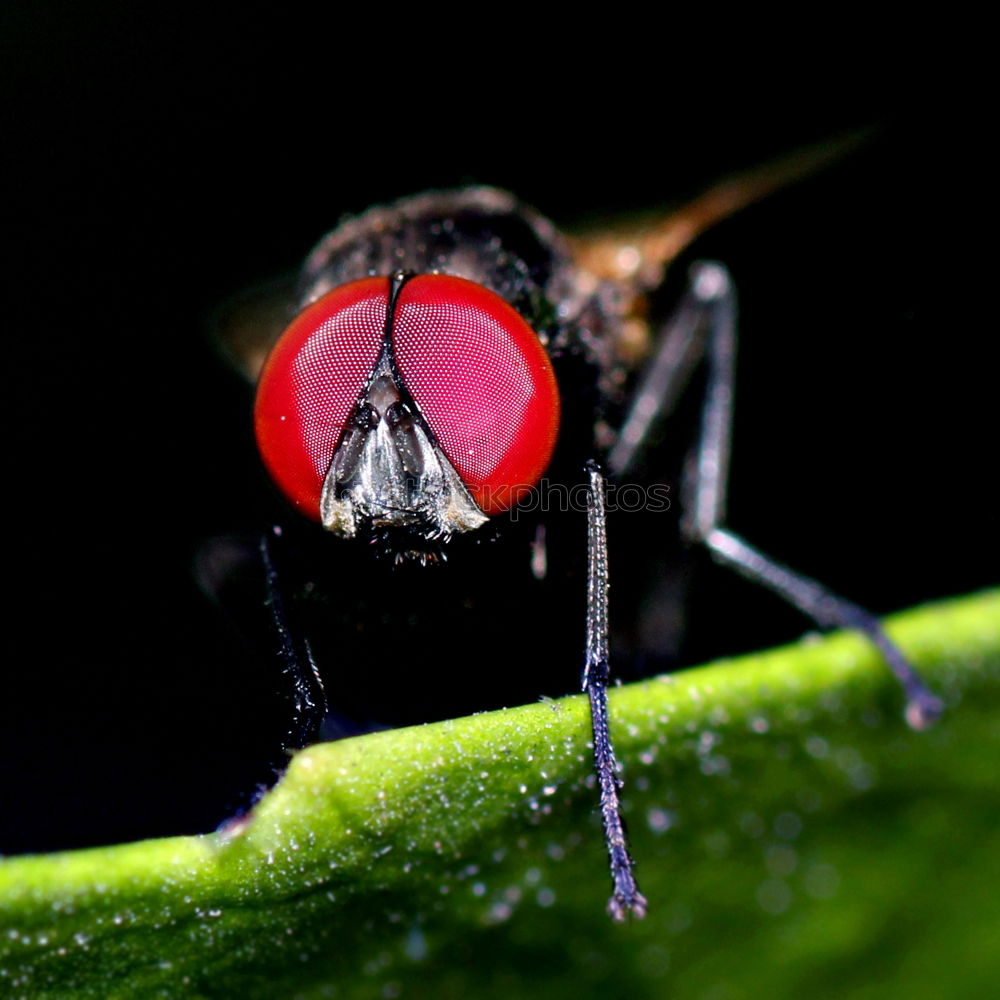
(382, 489)
(389, 472)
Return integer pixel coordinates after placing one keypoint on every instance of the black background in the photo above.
(161, 166)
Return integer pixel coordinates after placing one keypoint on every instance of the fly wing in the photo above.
(246, 328)
(460, 232)
(642, 248)
(635, 254)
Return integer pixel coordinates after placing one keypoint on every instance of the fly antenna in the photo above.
(625, 895)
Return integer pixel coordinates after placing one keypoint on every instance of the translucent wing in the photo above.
(247, 326)
(636, 253)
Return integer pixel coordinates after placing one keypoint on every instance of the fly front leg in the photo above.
(625, 895)
(705, 326)
(309, 706)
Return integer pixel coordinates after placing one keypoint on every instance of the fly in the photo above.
(439, 365)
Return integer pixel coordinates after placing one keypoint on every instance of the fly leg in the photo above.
(625, 897)
(706, 323)
(309, 706)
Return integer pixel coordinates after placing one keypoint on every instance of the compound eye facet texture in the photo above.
(482, 381)
(475, 369)
(310, 385)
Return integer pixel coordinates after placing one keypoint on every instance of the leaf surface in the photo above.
(793, 838)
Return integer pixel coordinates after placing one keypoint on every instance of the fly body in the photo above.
(441, 397)
(497, 619)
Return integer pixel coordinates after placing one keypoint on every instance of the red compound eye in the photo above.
(482, 381)
(475, 369)
(311, 382)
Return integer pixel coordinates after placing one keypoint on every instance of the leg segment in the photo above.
(827, 610)
(308, 696)
(710, 306)
(625, 896)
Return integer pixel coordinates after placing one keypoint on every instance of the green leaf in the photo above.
(793, 837)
